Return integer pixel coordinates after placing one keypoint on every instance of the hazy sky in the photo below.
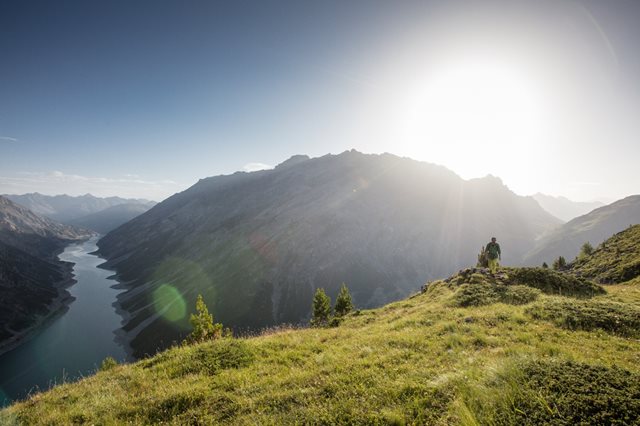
(143, 98)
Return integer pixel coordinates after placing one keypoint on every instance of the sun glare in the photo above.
(476, 118)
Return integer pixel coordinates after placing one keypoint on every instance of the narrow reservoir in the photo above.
(74, 344)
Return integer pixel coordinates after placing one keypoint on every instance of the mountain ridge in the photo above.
(593, 227)
(564, 208)
(33, 280)
(258, 244)
(73, 210)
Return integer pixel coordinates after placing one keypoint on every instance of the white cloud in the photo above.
(57, 182)
(254, 167)
(8, 139)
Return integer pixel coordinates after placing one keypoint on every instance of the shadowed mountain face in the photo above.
(81, 210)
(257, 245)
(593, 227)
(110, 218)
(563, 208)
(32, 279)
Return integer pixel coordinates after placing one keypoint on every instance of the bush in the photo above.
(559, 393)
(476, 295)
(108, 363)
(520, 295)
(554, 282)
(612, 317)
(212, 357)
(481, 294)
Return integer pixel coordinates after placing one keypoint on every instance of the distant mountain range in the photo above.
(32, 279)
(257, 245)
(593, 227)
(563, 208)
(95, 213)
(110, 218)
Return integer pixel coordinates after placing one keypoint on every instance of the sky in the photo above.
(143, 98)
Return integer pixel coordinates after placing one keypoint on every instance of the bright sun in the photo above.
(476, 118)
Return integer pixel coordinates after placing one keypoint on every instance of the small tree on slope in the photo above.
(483, 258)
(586, 250)
(559, 264)
(321, 309)
(344, 304)
(203, 326)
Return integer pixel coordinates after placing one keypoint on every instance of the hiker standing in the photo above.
(494, 255)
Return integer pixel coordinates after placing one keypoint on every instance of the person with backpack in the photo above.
(494, 255)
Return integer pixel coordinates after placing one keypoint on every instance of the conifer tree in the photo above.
(586, 250)
(559, 263)
(321, 309)
(344, 304)
(203, 326)
(544, 265)
(483, 258)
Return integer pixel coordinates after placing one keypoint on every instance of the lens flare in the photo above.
(169, 303)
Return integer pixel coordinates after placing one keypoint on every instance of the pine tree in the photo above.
(483, 258)
(321, 309)
(344, 304)
(544, 265)
(559, 263)
(586, 250)
(203, 326)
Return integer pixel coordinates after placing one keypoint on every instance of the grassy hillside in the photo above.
(594, 227)
(529, 346)
(614, 261)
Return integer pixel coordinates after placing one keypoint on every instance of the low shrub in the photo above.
(613, 317)
(208, 358)
(477, 295)
(553, 282)
(557, 392)
(487, 294)
(520, 295)
(108, 363)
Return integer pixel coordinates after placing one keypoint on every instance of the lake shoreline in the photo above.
(75, 336)
(58, 306)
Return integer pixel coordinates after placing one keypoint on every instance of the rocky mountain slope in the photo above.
(32, 279)
(594, 227)
(73, 210)
(257, 245)
(527, 346)
(563, 208)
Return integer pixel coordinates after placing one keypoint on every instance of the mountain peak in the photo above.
(293, 160)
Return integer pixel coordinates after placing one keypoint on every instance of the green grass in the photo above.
(423, 360)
